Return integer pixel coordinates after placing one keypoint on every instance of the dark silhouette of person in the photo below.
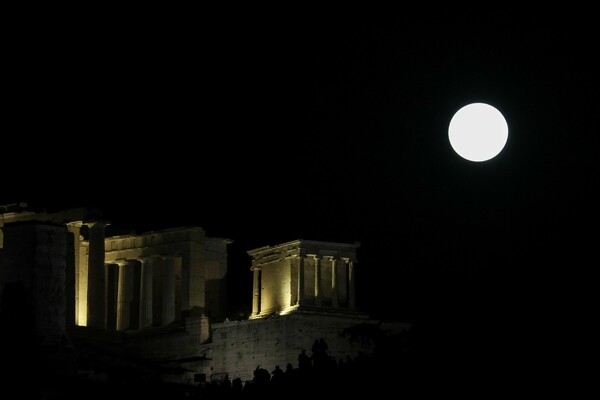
(323, 348)
(248, 387)
(303, 361)
(262, 377)
(226, 384)
(289, 373)
(277, 379)
(289, 369)
(236, 386)
(315, 347)
(319, 355)
(277, 374)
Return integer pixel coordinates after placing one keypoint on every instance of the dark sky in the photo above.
(266, 126)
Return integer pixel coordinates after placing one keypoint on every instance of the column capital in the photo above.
(145, 259)
(96, 223)
(121, 262)
(74, 224)
(74, 227)
(317, 256)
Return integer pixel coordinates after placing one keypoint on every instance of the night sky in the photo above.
(266, 126)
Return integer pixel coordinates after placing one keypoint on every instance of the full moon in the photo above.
(478, 132)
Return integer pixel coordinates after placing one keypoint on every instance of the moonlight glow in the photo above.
(478, 132)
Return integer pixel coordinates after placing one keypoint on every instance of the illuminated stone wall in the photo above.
(276, 286)
(239, 347)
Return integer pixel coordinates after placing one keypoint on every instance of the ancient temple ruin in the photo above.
(303, 290)
(131, 284)
(303, 274)
(161, 295)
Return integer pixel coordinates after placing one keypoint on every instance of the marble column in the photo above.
(158, 282)
(193, 282)
(96, 307)
(112, 293)
(125, 294)
(351, 285)
(300, 298)
(75, 229)
(334, 282)
(146, 291)
(256, 291)
(318, 289)
(168, 297)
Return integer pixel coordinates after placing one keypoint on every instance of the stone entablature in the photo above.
(154, 242)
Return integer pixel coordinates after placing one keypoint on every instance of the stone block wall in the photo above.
(35, 258)
(239, 347)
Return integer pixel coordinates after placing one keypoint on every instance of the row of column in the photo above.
(138, 297)
(298, 283)
(120, 295)
(334, 281)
